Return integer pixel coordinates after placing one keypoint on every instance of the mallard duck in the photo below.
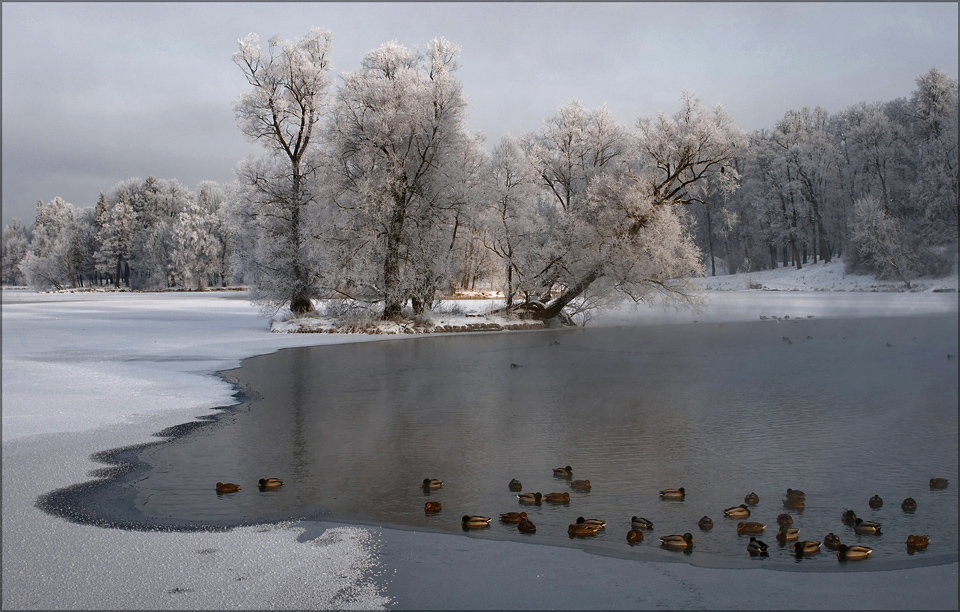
(594, 522)
(786, 534)
(849, 517)
(751, 499)
(938, 483)
(852, 553)
(677, 542)
(796, 503)
(565, 472)
(741, 511)
(431, 507)
(917, 541)
(580, 485)
(750, 527)
(673, 493)
(270, 483)
(784, 519)
(557, 498)
(227, 487)
(875, 502)
(909, 505)
(806, 547)
(638, 522)
(525, 526)
(831, 541)
(515, 485)
(862, 526)
(705, 523)
(795, 494)
(634, 536)
(431, 483)
(756, 547)
(530, 498)
(474, 521)
(513, 517)
(582, 530)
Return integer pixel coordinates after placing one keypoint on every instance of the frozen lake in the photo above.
(840, 407)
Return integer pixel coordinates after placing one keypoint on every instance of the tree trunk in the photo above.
(556, 307)
(300, 302)
(393, 301)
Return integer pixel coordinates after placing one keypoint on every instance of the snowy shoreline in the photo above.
(134, 364)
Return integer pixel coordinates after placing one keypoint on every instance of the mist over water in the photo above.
(721, 409)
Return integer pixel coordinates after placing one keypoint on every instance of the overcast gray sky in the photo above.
(94, 93)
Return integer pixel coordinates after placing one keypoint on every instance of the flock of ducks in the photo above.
(794, 499)
(584, 527)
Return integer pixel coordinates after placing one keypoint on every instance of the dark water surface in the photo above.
(840, 408)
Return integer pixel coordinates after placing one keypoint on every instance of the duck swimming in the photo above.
(269, 483)
(512, 517)
(474, 521)
(673, 493)
(796, 503)
(431, 483)
(784, 519)
(525, 526)
(530, 498)
(431, 507)
(806, 547)
(594, 522)
(634, 536)
(853, 553)
(849, 517)
(227, 487)
(741, 511)
(638, 522)
(580, 485)
(909, 504)
(582, 530)
(862, 526)
(752, 499)
(515, 485)
(938, 483)
(565, 472)
(831, 541)
(875, 502)
(677, 542)
(785, 534)
(917, 542)
(705, 523)
(757, 547)
(750, 527)
(557, 498)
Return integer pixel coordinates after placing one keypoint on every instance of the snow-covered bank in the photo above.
(87, 372)
(821, 277)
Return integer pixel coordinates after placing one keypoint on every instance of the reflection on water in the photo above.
(825, 406)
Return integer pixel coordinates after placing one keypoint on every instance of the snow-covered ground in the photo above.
(84, 372)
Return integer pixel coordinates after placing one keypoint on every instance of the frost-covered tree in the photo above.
(197, 250)
(511, 225)
(880, 238)
(625, 237)
(50, 262)
(289, 90)
(572, 148)
(933, 110)
(403, 164)
(116, 231)
(16, 241)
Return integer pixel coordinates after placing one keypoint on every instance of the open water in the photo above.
(840, 408)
